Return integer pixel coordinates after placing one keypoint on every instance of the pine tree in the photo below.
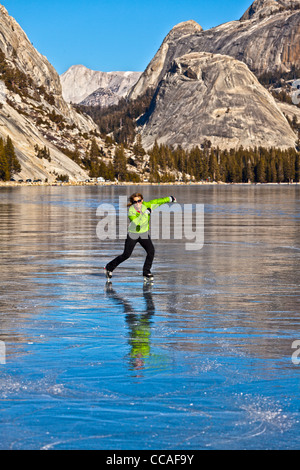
(280, 173)
(13, 163)
(272, 172)
(249, 174)
(120, 163)
(213, 167)
(110, 172)
(288, 167)
(261, 171)
(138, 149)
(94, 150)
(4, 167)
(93, 162)
(297, 167)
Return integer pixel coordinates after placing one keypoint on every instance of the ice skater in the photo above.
(138, 232)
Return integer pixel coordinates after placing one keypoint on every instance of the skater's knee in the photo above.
(125, 256)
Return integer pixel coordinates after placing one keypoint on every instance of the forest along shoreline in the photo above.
(111, 183)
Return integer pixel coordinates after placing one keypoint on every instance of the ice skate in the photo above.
(148, 278)
(108, 274)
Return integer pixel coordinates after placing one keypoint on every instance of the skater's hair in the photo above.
(132, 198)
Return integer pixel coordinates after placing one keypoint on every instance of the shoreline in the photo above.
(15, 184)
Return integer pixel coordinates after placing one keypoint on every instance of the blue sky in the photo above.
(111, 35)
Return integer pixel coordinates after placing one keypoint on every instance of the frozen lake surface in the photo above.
(200, 360)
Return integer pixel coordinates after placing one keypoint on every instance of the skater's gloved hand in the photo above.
(148, 211)
(173, 199)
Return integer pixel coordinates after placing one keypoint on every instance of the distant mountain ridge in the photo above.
(81, 85)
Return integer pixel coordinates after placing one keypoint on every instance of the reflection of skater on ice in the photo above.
(138, 232)
(139, 325)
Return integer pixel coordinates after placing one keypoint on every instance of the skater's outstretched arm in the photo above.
(154, 203)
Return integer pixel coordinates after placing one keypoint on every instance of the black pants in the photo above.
(130, 243)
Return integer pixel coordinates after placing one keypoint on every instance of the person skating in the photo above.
(138, 232)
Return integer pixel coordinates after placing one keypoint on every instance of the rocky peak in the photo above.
(169, 49)
(263, 8)
(186, 27)
(214, 97)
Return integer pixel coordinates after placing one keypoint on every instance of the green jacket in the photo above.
(139, 221)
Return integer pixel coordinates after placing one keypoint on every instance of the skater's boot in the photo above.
(148, 277)
(108, 274)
